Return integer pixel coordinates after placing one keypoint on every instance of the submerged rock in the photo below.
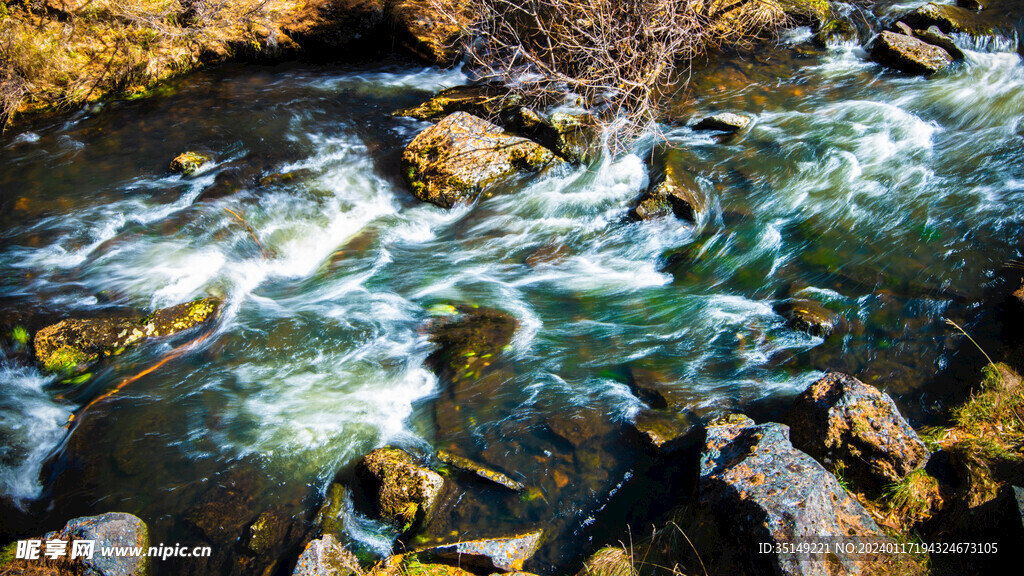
(724, 122)
(663, 430)
(469, 340)
(493, 103)
(429, 35)
(478, 469)
(188, 162)
(608, 561)
(909, 54)
(766, 491)
(453, 160)
(857, 429)
(808, 316)
(403, 492)
(326, 557)
(70, 346)
(490, 554)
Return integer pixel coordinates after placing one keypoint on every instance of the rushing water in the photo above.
(890, 199)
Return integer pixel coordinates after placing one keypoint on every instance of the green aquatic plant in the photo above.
(20, 335)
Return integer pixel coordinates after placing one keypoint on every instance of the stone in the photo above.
(188, 162)
(808, 316)
(480, 470)
(106, 530)
(949, 19)
(663, 430)
(72, 345)
(427, 34)
(975, 5)
(452, 161)
(767, 492)
(494, 554)
(909, 54)
(325, 556)
(935, 37)
(669, 196)
(329, 518)
(857, 429)
(323, 26)
(724, 122)
(493, 103)
(403, 492)
(573, 136)
(468, 341)
(835, 31)
(608, 561)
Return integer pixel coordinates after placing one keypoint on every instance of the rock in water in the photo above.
(948, 19)
(856, 427)
(724, 122)
(106, 530)
(70, 346)
(490, 102)
(669, 197)
(769, 492)
(478, 469)
(490, 554)
(453, 160)
(468, 341)
(188, 162)
(402, 492)
(935, 37)
(808, 316)
(909, 54)
(326, 557)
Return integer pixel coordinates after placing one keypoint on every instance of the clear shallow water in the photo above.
(890, 199)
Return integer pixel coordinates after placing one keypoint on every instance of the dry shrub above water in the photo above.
(62, 53)
(621, 58)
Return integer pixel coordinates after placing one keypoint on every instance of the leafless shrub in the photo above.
(620, 58)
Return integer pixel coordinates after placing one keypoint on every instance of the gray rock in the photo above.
(326, 557)
(106, 530)
(856, 427)
(724, 122)
(766, 491)
(935, 37)
(909, 54)
(497, 554)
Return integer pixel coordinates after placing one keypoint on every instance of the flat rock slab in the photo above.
(452, 161)
(499, 554)
(854, 426)
(766, 491)
(478, 469)
(909, 54)
(724, 122)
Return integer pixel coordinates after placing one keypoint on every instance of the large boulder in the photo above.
(403, 492)
(771, 494)
(455, 159)
(490, 554)
(323, 26)
(949, 18)
(71, 345)
(430, 35)
(326, 557)
(909, 54)
(857, 429)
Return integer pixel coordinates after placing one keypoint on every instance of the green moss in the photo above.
(7, 553)
(65, 359)
(19, 334)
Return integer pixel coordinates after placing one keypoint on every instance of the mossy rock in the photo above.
(493, 103)
(469, 341)
(452, 161)
(835, 30)
(949, 19)
(188, 162)
(402, 492)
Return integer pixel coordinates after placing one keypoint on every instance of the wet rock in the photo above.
(188, 162)
(574, 428)
(663, 430)
(105, 530)
(323, 26)
(326, 557)
(496, 554)
(573, 136)
(70, 346)
(608, 561)
(808, 316)
(975, 5)
(935, 37)
(469, 340)
(835, 31)
(651, 387)
(427, 34)
(949, 19)
(285, 178)
(547, 254)
(478, 469)
(227, 182)
(412, 565)
(724, 122)
(669, 196)
(403, 492)
(766, 491)
(494, 103)
(453, 160)
(909, 54)
(329, 518)
(857, 429)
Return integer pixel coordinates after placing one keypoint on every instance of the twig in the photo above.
(249, 230)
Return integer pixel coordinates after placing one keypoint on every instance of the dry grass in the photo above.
(63, 53)
(619, 58)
